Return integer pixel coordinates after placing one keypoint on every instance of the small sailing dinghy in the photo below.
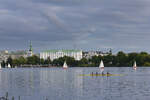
(134, 66)
(65, 66)
(9, 66)
(0, 66)
(101, 66)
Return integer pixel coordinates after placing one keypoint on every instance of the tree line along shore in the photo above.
(120, 59)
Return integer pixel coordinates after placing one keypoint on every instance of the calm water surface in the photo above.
(59, 84)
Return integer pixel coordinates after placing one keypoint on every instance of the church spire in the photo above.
(30, 52)
(30, 48)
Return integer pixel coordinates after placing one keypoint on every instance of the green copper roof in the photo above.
(54, 51)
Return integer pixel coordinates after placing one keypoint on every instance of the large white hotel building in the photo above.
(54, 54)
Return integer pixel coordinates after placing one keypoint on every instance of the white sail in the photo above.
(0, 66)
(134, 66)
(65, 65)
(9, 66)
(101, 65)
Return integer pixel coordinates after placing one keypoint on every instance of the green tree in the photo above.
(3, 64)
(95, 60)
(132, 57)
(22, 60)
(42, 61)
(121, 59)
(33, 60)
(48, 61)
(146, 64)
(108, 60)
(15, 62)
(83, 62)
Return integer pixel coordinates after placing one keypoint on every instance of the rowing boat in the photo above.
(101, 75)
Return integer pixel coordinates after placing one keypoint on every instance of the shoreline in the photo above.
(71, 66)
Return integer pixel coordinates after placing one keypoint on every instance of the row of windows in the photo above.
(53, 54)
(62, 53)
(45, 56)
(77, 56)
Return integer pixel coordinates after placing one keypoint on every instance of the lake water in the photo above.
(59, 84)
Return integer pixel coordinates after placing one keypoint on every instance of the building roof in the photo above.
(54, 51)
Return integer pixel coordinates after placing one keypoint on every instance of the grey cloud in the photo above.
(85, 23)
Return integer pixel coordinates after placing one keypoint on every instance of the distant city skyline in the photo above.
(81, 24)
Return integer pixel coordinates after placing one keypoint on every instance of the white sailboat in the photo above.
(134, 66)
(0, 66)
(9, 66)
(101, 66)
(65, 66)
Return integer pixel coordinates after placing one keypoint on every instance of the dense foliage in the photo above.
(121, 59)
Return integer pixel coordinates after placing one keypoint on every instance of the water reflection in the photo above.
(59, 84)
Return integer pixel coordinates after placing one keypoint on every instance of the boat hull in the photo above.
(101, 75)
(134, 68)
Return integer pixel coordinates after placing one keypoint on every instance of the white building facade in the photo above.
(55, 54)
(90, 54)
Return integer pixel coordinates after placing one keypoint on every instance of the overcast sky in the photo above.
(83, 24)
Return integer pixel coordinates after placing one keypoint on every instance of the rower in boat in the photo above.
(108, 73)
(92, 74)
(96, 73)
(103, 73)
